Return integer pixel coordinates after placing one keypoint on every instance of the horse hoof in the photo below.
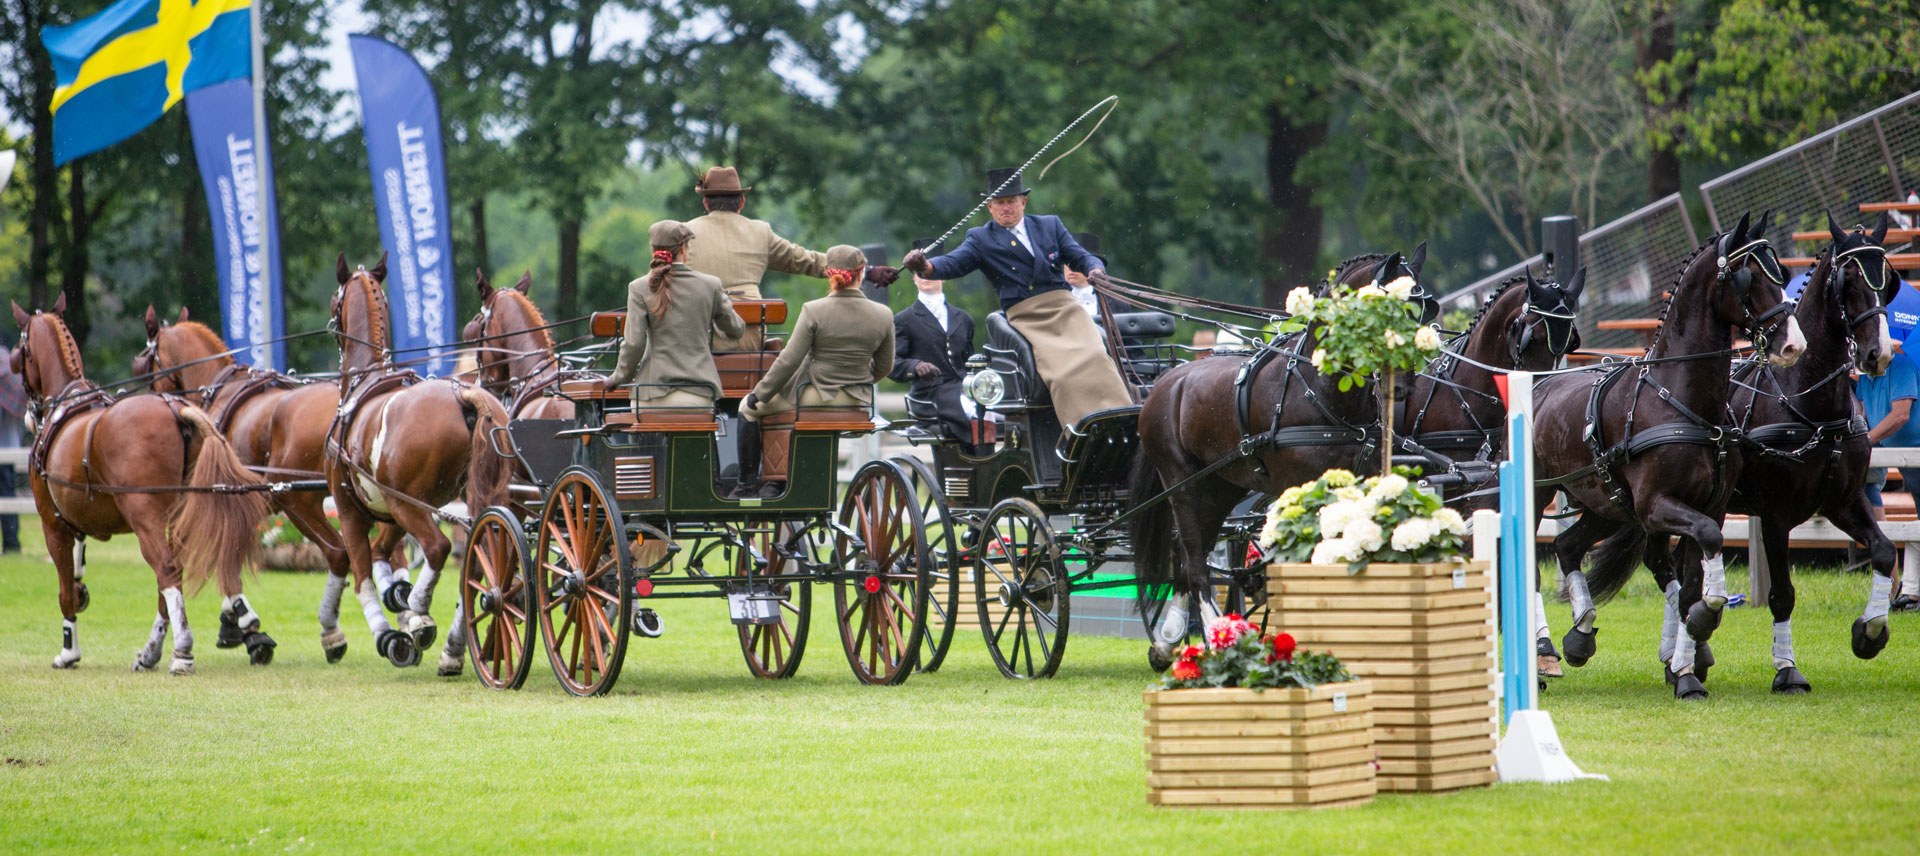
(1866, 645)
(1689, 688)
(259, 648)
(86, 600)
(1159, 660)
(421, 628)
(395, 598)
(647, 623)
(1702, 620)
(398, 648)
(1579, 645)
(450, 666)
(66, 659)
(334, 643)
(231, 636)
(1789, 681)
(182, 666)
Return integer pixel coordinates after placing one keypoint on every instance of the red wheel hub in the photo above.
(642, 588)
(871, 584)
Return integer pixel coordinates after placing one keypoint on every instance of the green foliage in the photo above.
(1363, 332)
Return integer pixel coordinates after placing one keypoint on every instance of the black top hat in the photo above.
(1006, 175)
(876, 253)
(929, 245)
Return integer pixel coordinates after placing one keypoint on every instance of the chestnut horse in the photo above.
(145, 464)
(399, 448)
(516, 358)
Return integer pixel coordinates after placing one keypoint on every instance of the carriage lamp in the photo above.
(986, 387)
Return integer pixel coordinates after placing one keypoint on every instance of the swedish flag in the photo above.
(118, 71)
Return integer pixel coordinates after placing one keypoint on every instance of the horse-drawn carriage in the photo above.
(630, 511)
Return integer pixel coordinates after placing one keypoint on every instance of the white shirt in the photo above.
(1084, 295)
(936, 303)
(1019, 231)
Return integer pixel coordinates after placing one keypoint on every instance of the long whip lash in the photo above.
(1104, 102)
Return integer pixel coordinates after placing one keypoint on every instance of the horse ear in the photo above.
(183, 316)
(526, 282)
(1880, 228)
(153, 323)
(1575, 285)
(340, 269)
(1760, 228)
(20, 316)
(1531, 283)
(480, 284)
(1386, 267)
(60, 304)
(1833, 227)
(380, 270)
(1740, 231)
(1419, 259)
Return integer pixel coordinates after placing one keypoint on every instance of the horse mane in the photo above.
(69, 349)
(1673, 291)
(376, 298)
(203, 334)
(540, 330)
(1498, 291)
(1341, 269)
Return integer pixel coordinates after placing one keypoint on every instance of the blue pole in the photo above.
(1515, 581)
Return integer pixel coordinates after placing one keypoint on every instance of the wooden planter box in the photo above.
(1422, 635)
(1272, 749)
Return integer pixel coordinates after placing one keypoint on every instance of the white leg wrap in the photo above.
(1173, 623)
(241, 611)
(1670, 623)
(370, 605)
(1782, 644)
(1581, 601)
(1540, 611)
(330, 602)
(1683, 656)
(457, 634)
(156, 644)
(422, 598)
(69, 655)
(1713, 588)
(382, 575)
(1208, 609)
(79, 559)
(177, 616)
(1879, 598)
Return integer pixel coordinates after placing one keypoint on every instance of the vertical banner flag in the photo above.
(235, 169)
(402, 121)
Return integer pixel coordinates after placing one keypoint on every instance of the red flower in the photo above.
(1283, 646)
(1186, 670)
(1191, 652)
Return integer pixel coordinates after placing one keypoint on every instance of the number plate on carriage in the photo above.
(760, 607)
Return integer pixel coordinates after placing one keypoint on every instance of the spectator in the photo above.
(1888, 401)
(13, 413)
(932, 340)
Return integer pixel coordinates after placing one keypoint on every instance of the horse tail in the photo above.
(216, 533)
(487, 471)
(1614, 562)
(1151, 533)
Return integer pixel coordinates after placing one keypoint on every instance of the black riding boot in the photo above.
(749, 461)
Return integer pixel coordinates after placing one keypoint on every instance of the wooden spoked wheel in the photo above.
(1020, 590)
(773, 650)
(496, 602)
(880, 596)
(584, 585)
(943, 594)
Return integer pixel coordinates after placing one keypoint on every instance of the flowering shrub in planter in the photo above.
(1237, 655)
(1339, 519)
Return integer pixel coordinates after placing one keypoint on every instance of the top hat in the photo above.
(1008, 176)
(720, 181)
(876, 253)
(931, 246)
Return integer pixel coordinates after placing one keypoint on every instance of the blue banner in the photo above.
(409, 164)
(235, 171)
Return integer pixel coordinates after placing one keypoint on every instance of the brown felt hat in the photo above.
(720, 181)
(844, 257)
(666, 234)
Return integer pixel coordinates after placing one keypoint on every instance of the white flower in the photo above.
(1299, 301)
(1271, 532)
(1334, 517)
(1334, 551)
(1394, 339)
(1352, 494)
(1388, 487)
(1370, 291)
(1319, 357)
(1450, 520)
(1412, 534)
(1400, 289)
(1428, 339)
(1366, 535)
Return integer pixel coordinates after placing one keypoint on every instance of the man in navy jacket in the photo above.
(1022, 256)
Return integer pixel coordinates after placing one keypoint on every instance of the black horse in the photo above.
(1804, 448)
(1646, 444)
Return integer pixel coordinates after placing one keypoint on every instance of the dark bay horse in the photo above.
(516, 357)
(400, 447)
(1804, 449)
(103, 467)
(1647, 443)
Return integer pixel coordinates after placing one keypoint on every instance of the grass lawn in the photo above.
(692, 754)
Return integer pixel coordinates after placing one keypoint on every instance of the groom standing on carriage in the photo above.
(1023, 257)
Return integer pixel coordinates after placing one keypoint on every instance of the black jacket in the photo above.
(917, 338)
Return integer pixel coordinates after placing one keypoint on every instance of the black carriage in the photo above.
(1037, 515)
(629, 512)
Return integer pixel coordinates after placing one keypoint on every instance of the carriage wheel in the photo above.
(943, 594)
(584, 588)
(774, 650)
(881, 600)
(1018, 574)
(496, 601)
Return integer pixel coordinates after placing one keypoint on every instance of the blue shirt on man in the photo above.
(1878, 394)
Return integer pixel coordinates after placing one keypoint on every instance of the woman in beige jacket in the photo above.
(671, 315)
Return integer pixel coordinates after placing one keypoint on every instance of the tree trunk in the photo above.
(1657, 45)
(46, 188)
(1290, 233)
(567, 293)
(73, 267)
(479, 212)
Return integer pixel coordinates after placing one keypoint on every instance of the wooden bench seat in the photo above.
(665, 421)
(762, 312)
(834, 419)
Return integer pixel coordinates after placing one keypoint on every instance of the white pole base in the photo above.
(1531, 751)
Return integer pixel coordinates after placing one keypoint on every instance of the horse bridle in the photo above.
(1730, 270)
(1562, 312)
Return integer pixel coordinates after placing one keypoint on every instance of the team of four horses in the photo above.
(1645, 450)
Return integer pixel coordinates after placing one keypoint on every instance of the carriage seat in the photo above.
(693, 421)
(1011, 346)
(839, 420)
(1137, 331)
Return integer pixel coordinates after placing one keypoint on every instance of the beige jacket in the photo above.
(740, 250)
(842, 342)
(671, 352)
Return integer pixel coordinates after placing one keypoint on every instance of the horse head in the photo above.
(47, 359)
(1542, 329)
(1859, 285)
(1747, 283)
(186, 354)
(1378, 269)
(358, 317)
(505, 315)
